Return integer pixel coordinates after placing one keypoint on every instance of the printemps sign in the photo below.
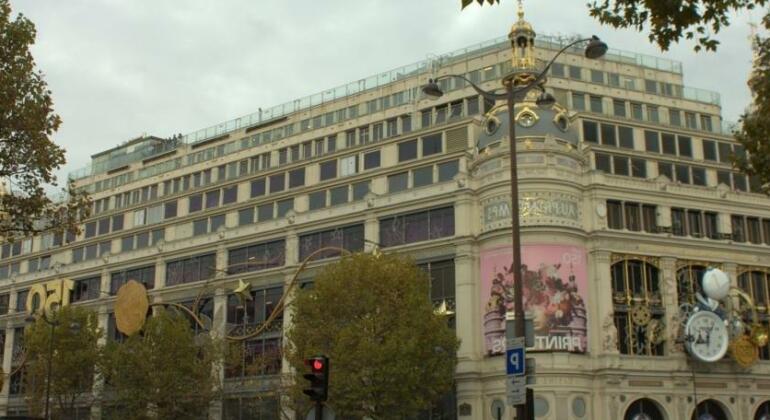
(50, 295)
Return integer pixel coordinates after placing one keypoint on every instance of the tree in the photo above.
(165, 372)
(75, 354)
(28, 157)
(390, 354)
(701, 20)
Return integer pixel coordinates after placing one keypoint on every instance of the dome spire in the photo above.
(522, 38)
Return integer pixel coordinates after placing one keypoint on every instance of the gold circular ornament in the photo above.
(131, 307)
(744, 351)
(759, 335)
(656, 331)
(641, 315)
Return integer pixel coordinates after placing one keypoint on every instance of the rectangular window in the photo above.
(651, 141)
(682, 174)
(349, 165)
(331, 144)
(196, 203)
(666, 169)
(256, 257)
(317, 200)
(690, 121)
(649, 218)
(416, 227)
(169, 209)
(86, 289)
(142, 240)
(678, 224)
(597, 76)
(723, 177)
(698, 176)
(422, 176)
(407, 150)
(709, 150)
(596, 104)
(608, 135)
(258, 187)
(398, 182)
(674, 117)
(711, 225)
(265, 212)
(725, 152)
(626, 136)
(685, 146)
(578, 101)
(636, 111)
(372, 160)
(614, 214)
(652, 114)
(620, 164)
(426, 117)
(557, 70)
(377, 132)
(246, 216)
(431, 145)
(328, 170)
(350, 138)
(590, 131)
(739, 182)
(217, 222)
(574, 72)
(472, 104)
(669, 143)
(284, 206)
(603, 162)
(277, 182)
(360, 189)
(705, 123)
(350, 238)
(297, 178)
(144, 275)
(191, 269)
(650, 86)
(230, 194)
(695, 223)
(619, 108)
(633, 216)
(200, 227)
(90, 230)
(638, 168)
(448, 170)
(103, 226)
(338, 195)
(739, 228)
(212, 199)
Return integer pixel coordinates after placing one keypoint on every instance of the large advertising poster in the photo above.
(555, 292)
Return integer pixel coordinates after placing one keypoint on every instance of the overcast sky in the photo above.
(120, 68)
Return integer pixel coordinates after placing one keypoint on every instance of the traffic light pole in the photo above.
(319, 410)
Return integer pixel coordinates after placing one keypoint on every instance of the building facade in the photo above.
(626, 196)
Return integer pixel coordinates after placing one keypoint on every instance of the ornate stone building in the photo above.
(627, 196)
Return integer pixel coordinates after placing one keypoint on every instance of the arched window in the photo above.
(644, 409)
(755, 283)
(709, 410)
(688, 282)
(763, 412)
(639, 312)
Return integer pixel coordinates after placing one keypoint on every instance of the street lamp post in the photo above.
(514, 91)
(52, 323)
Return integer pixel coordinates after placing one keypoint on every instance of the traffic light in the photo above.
(318, 377)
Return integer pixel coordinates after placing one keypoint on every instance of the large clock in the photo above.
(706, 336)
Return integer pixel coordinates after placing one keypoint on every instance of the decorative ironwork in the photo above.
(638, 308)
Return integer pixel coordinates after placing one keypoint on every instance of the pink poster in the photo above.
(555, 292)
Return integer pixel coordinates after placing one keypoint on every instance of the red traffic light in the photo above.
(318, 364)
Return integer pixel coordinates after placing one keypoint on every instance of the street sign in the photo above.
(516, 387)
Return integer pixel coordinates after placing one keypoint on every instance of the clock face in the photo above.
(706, 336)
(527, 120)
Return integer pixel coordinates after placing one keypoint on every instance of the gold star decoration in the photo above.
(442, 309)
(243, 291)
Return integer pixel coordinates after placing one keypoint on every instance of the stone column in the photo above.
(103, 317)
(218, 330)
(160, 273)
(7, 361)
(603, 334)
(668, 288)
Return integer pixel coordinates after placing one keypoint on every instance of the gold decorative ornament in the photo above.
(641, 315)
(759, 335)
(744, 351)
(656, 331)
(243, 291)
(131, 307)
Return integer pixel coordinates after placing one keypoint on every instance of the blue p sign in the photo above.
(515, 361)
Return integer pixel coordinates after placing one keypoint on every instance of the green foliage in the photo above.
(390, 355)
(754, 133)
(28, 157)
(166, 372)
(75, 355)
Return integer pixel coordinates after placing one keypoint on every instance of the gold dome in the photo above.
(521, 25)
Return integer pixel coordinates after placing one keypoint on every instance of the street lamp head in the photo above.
(596, 48)
(545, 100)
(432, 89)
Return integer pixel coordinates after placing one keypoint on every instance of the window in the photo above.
(398, 182)
(739, 182)
(103, 226)
(638, 168)
(212, 199)
(415, 227)
(256, 257)
(426, 116)
(86, 289)
(705, 123)
(377, 132)
(709, 150)
(619, 108)
(650, 86)
(766, 230)
(674, 117)
(430, 145)
(350, 238)
(331, 143)
(557, 70)
(472, 104)
(636, 282)
(297, 178)
(596, 104)
(349, 165)
(448, 170)
(422, 176)
(574, 72)
(626, 137)
(608, 135)
(360, 189)
(196, 202)
(169, 211)
(651, 141)
(144, 275)
(636, 111)
(597, 76)
(338, 195)
(277, 182)
(603, 162)
(698, 176)
(590, 131)
(246, 216)
(669, 143)
(258, 187)
(688, 279)
(754, 230)
(620, 165)
(90, 230)
(265, 212)
(682, 173)
(578, 101)
(328, 169)
(690, 121)
(200, 227)
(725, 152)
(739, 228)
(685, 146)
(755, 283)
(190, 269)
(372, 160)
(155, 214)
(317, 200)
(649, 218)
(407, 150)
(284, 206)
(652, 114)
(406, 123)
(678, 223)
(4, 308)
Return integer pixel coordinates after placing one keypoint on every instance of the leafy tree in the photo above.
(701, 20)
(165, 372)
(28, 157)
(390, 355)
(75, 355)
